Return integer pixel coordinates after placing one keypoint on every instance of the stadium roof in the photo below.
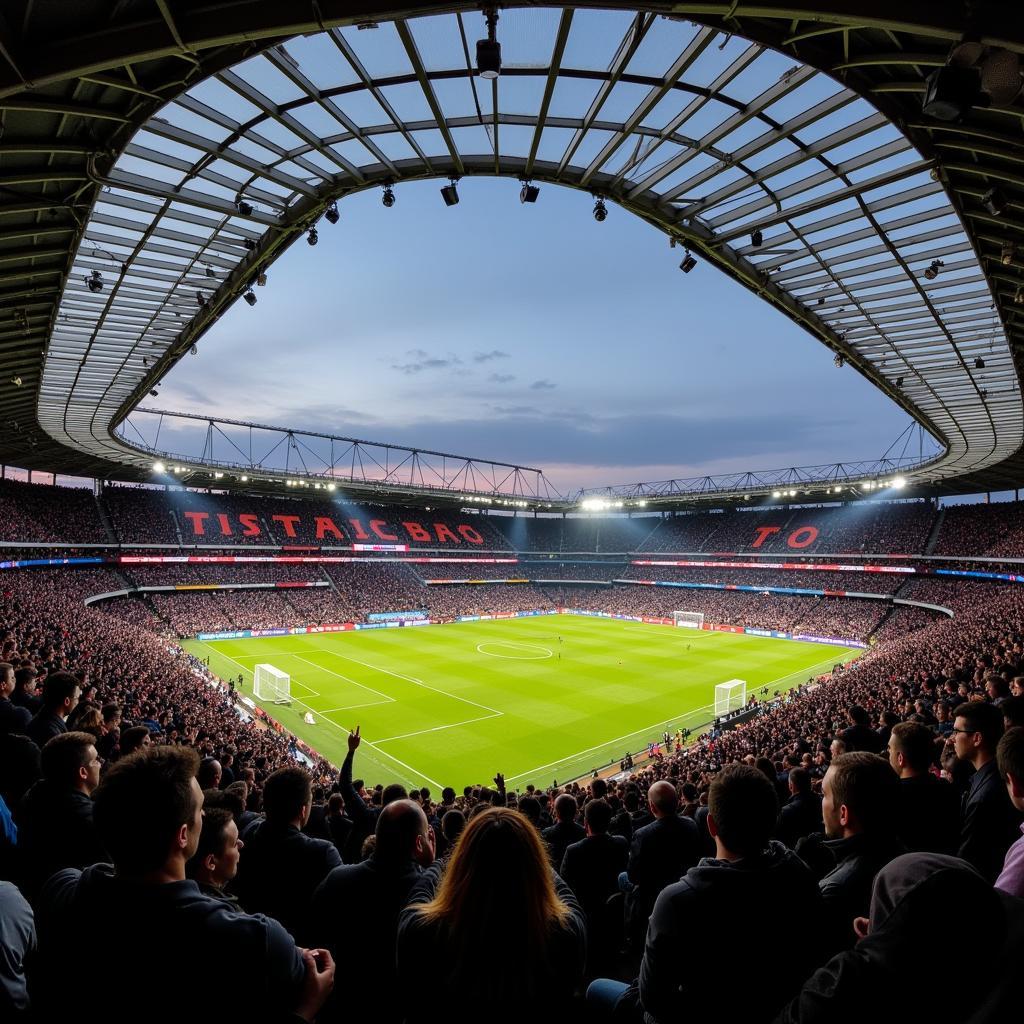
(172, 152)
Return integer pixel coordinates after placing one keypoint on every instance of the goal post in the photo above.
(688, 620)
(272, 684)
(730, 696)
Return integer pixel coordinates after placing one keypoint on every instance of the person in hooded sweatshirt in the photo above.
(688, 970)
(916, 899)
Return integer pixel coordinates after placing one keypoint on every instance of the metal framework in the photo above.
(258, 454)
(787, 148)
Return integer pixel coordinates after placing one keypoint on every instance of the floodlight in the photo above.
(1018, 295)
(250, 297)
(243, 478)
(839, 360)
(94, 282)
(312, 238)
(688, 263)
(776, 494)
(488, 51)
(600, 210)
(899, 382)
(899, 482)
(1008, 251)
(261, 279)
(200, 299)
(450, 194)
(979, 363)
(159, 467)
(249, 244)
(244, 208)
(756, 238)
(950, 92)
(194, 350)
(331, 214)
(932, 270)
(210, 272)
(528, 193)
(16, 381)
(994, 202)
(388, 198)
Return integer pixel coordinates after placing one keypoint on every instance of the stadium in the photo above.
(296, 725)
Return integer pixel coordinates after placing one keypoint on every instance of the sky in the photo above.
(528, 334)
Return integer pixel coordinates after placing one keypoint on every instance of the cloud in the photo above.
(419, 360)
(543, 385)
(501, 378)
(486, 357)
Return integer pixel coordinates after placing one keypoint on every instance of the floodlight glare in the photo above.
(899, 482)
(388, 198)
(450, 194)
(600, 210)
(331, 214)
(528, 193)
(159, 467)
(776, 494)
(688, 263)
(250, 297)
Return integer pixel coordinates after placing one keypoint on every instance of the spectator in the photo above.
(661, 853)
(801, 813)
(858, 807)
(215, 862)
(1010, 759)
(338, 825)
(12, 718)
(752, 879)
(928, 808)
(55, 820)
(497, 904)
(990, 822)
(355, 910)
(25, 696)
(17, 941)
(246, 967)
(282, 867)
(60, 697)
(565, 831)
(1013, 712)
(884, 977)
(363, 817)
(860, 735)
(135, 738)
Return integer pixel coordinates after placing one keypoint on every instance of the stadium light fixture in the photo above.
(16, 381)
(932, 270)
(261, 279)
(600, 210)
(899, 382)
(756, 238)
(154, 392)
(250, 297)
(1006, 254)
(528, 193)
(994, 202)
(210, 272)
(159, 467)
(450, 193)
(244, 208)
(194, 350)
(840, 360)
(951, 91)
(776, 494)
(244, 478)
(1018, 296)
(331, 214)
(899, 482)
(312, 238)
(792, 494)
(94, 282)
(488, 51)
(332, 487)
(200, 299)
(388, 198)
(249, 244)
(688, 263)
(979, 363)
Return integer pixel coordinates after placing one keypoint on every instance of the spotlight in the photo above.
(261, 279)
(200, 299)
(979, 363)
(528, 193)
(899, 382)
(1018, 296)
(950, 92)
(249, 244)
(388, 198)
(688, 263)
(159, 467)
(244, 208)
(932, 270)
(16, 381)
(94, 282)
(209, 272)
(312, 238)
(154, 392)
(994, 202)
(1009, 250)
(839, 360)
(600, 210)
(488, 51)
(450, 194)
(331, 214)
(194, 351)
(250, 297)
(756, 238)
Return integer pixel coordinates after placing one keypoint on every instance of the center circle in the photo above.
(517, 645)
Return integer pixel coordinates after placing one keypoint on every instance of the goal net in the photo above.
(689, 620)
(272, 684)
(730, 696)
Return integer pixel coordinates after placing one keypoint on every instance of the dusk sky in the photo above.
(529, 334)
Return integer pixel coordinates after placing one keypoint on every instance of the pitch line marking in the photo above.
(514, 643)
(312, 664)
(440, 728)
(657, 725)
(341, 728)
(352, 707)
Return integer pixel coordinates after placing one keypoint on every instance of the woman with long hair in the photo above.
(500, 931)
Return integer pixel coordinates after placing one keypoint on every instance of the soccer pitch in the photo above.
(536, 698)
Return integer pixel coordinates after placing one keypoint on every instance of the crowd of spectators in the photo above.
(810, 579)
(141, 515)
(49, 513)
(168, 574)
(990, 530)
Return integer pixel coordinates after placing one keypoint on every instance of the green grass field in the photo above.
(453, 704)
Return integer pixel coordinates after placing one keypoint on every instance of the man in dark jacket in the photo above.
(860, 735)
(928, 808)
(12, 718)
(859, 805)
(355, 911)
(282, 867)
(362, 815)
(55, 826)
(591, 867)
(60, 697)
(685, 973)
(565, 831)
(989, 823)
(801, 814)
(661, 853)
